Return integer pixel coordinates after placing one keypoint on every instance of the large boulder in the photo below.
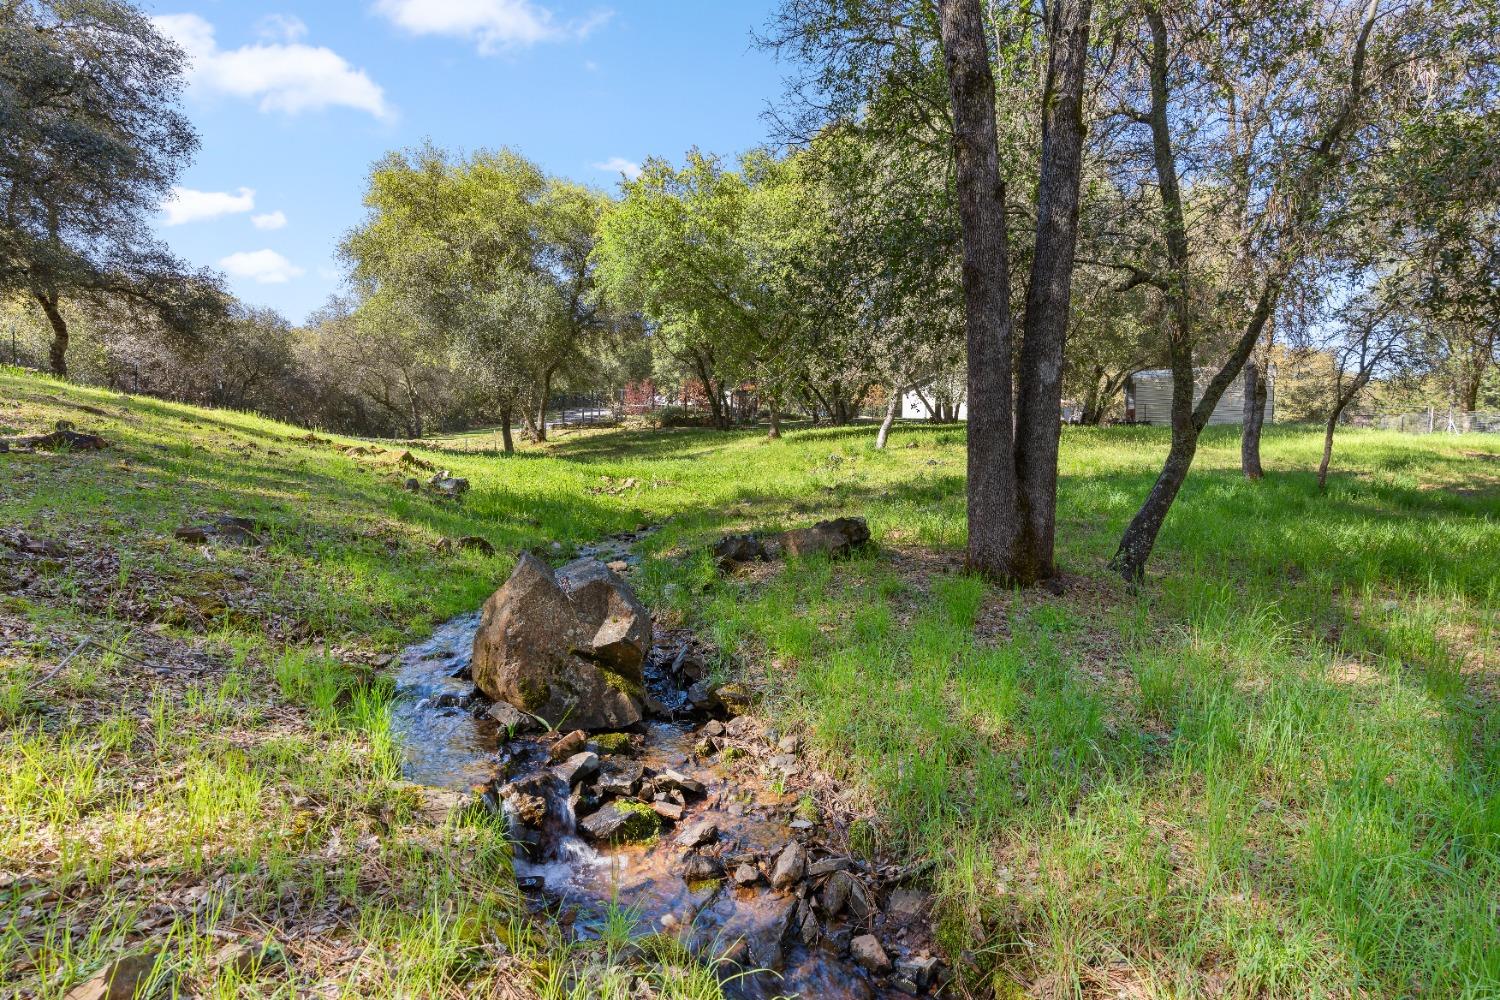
(536, 646)
(606, 604)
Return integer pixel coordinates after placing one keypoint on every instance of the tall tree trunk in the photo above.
(530, 420)
(992, 515)
(505, 418)
(541, 406)
(1049, 292)
(775, 413)
(1188, 420)
(1254, 417)
(414, 420)
(1093, 402)
(892, 407)
(1333, 420)
(58, 349)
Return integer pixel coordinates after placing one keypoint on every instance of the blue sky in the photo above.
(294, 101)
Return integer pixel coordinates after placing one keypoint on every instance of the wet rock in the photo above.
(701, 868)
(921, 971)
(765, 942)
(509, 717)
(579, 767)
(791, 865)
(705, 831)
(671, 811)
(866, 950)
(612, 743)
(533, 650)
(838, 537)
(671, 779)
(615, 824)
(746, 875)
(808, 931)
(620, 780)
(568, 745)
(836, 893)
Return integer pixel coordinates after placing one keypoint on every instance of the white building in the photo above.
(1148, 398)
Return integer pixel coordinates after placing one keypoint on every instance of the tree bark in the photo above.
(505, 417)
(892, 406)
(1333, 419)
(1188, 420)
(1049, 292)
(992, 515)
(58, 349)
(775, 413)
(540, 428)
(1250, 425)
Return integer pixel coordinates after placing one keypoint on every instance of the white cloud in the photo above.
(493, 25)
(270, 220)
(264, 267)
(620, 165)
(281, 27)
(283, 76)
(187, 205)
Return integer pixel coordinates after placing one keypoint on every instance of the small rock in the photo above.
(413, 485)
(785, 763)
(615, 825)
(791, 865)
(808, 932)
(828, 866)
(713, 727)
(921, 971)
(191, 534)
(568, 746)
(578, 767)
(790, 744)
(836, 893)
(508, 716)
(119, 980)
(860, 904)
(907, 903)
(746, 875)
(676, 779)
(867, 952)
(704, 831)
(701, 868)
(667, 810)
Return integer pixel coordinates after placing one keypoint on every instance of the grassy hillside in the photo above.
(1273, 772)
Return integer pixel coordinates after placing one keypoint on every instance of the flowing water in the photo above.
(450, 743)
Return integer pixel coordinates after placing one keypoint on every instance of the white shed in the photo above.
(1148, 398)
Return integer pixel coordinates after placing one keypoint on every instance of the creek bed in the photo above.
(451, 743)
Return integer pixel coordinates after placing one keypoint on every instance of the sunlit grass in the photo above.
(1273, 773)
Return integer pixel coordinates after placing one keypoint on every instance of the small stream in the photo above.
(451, 743)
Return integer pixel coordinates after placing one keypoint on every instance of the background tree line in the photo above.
(1007, 205)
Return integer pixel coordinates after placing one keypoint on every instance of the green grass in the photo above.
(1271, 773)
